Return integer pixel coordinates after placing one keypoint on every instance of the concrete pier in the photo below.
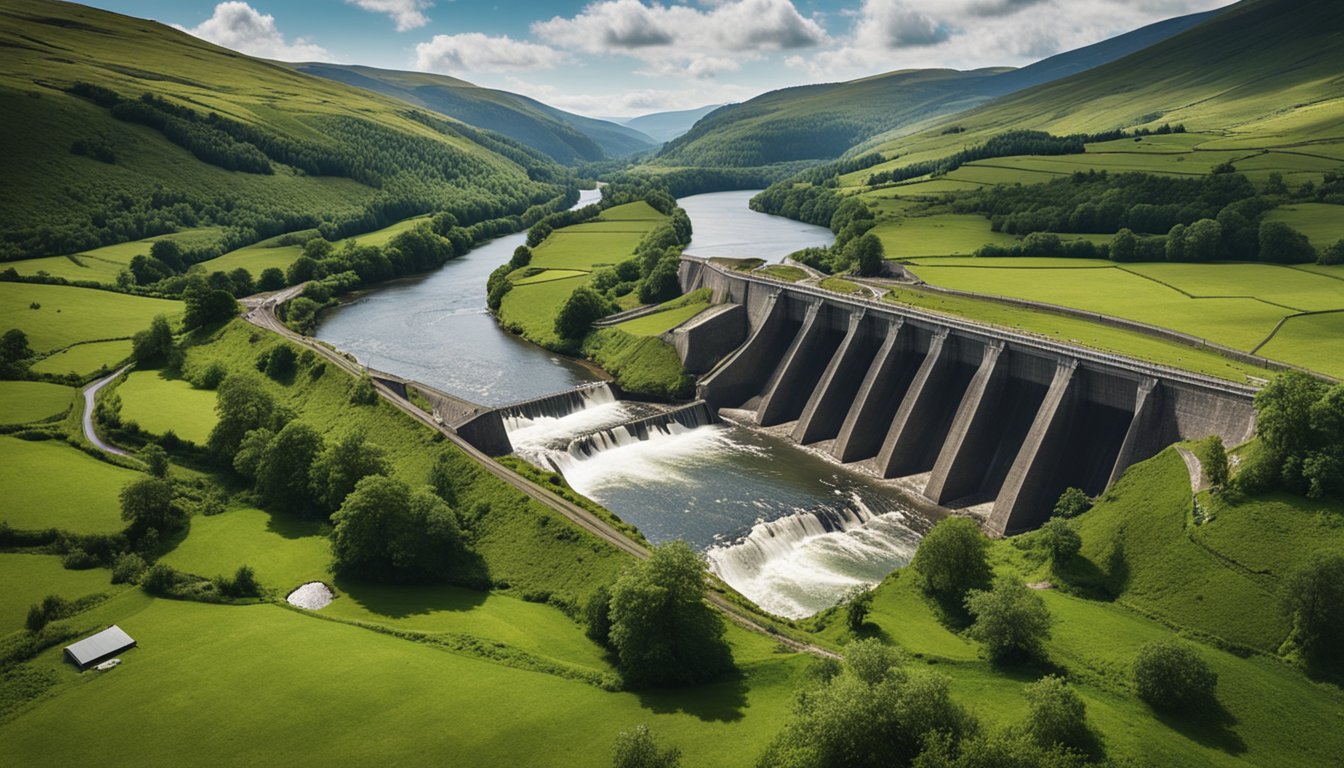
(825, 411)
(957, 470)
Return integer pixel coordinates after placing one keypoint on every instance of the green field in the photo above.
(284, 551)
(661, 322)
(28, 578)
(160, 404)
(1313, 341)
(24, 401)
(547, 275)
(84, 359)
(1236, 305)
(102, 265)
(48, 484)
(1322, 224)
(946, 235)
(72, 315)
(259, 257)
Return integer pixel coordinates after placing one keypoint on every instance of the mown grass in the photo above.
(283, 550)
(28, 578)
(159, 404)
(85, 359)
(661, 322)
(784, 272)
(67, 315)
(530, 309)
(48, 484)
(1322, 223)
(940, 235)
(1082, 332)
(329, 692)
(22, 402)
(1311, 341)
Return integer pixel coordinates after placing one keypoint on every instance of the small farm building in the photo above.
(99, 647)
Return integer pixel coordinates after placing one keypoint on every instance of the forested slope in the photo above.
(121, 128)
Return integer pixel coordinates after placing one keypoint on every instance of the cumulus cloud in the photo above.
(243, 28)
(408, 14)
(684, 40)
(475, 52)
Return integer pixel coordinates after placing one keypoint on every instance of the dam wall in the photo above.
(976, 417)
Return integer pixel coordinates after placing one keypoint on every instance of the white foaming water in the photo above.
(802, 563)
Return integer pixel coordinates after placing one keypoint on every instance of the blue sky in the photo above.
(631, 57)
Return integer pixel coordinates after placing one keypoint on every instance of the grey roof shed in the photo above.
(99, 647)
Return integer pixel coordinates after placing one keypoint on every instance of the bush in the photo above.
(1060, 540)
(597, 615)
(1058, 716)
(1171, 675)
(159, 579)
(153, 347)
(638, 749)
(147, 504)
(578, 312)
(127, 568)
(385, 531)
(857, 606)
(156, 460)
(952, 558)
(211, 376)
(243, 584)
(271, 279)
(363, 392)
(1010, 620)
(1072, 503)
(1313, 595)
(51, 608)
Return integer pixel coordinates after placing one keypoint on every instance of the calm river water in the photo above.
(787, 528)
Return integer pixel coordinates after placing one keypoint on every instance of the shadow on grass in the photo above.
(294, 527)
(1086, 579)
(949, 610)
(1208, 723)
(399, 601)
(723, 701)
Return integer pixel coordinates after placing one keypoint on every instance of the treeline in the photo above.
(1007, 144)
(681, 182)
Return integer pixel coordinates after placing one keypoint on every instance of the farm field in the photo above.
(1314, 341)
(1236, 305)
(547, 275)
(943, 235)
(1323, 224)
(22, 402)
(388, 707)
(160, 405)
(28, 578)
(48, 484)
(84, 359)
(285, 551)
(260, 256)
(67, 315)
(102, 265)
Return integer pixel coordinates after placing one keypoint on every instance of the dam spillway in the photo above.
(973, 417)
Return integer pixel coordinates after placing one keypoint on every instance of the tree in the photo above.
(1215, 462)
(1010, 620)
(952, 558)
(243, 405)
(1283, 412)
(578, 312)
(243, 584)
(242, 282)
(207, 308)
(1072, 503)
(1332, 254)
(271, 279)
(1203, 241)
(865, 255)
(597, 615)
(281, 362)
(1313, 595)
(247, 460)
(156, 459)
(1060, 540)
(147, 504)
(316, 249)
(873, 713)
(857, 606)
(1281, 244)
(1170, 675)
(1058, 716)
(662, 283)
(385, 531)
(303, 269)
(638, 749)
(662, 631)
(283, 474)
(340, 467)
(153, 346)
(522, 256)
(1009, 748)
(169, 254)
(1125, 246)
(14, 353)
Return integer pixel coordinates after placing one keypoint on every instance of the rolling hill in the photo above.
(564, 136)
(121, 128)
(818, 122)
(666, 126)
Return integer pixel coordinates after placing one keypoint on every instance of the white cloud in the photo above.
(243, 28)
(631, 103)
(408, 14)
(475, 52)
(682, 40)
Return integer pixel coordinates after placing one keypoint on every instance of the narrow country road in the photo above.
(261, 313)
(90, 392)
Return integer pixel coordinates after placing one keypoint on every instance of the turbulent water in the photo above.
(786, 528)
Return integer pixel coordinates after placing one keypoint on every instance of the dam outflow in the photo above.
(992, 422)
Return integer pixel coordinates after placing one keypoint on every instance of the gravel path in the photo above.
(1197, 481)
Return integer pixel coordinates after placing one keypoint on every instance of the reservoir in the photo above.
(789, 529)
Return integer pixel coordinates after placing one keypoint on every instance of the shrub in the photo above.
(153, 347)
(51, 608)
(952, 558)
(1215, 462)
(386, 531)
(1060, 540)
(281, 363)
(147, 504)
(159, 579)
(578, 312)
(1170, 675)
(271, 279)
(127, 568)
(363, 392)
(1010, 620)
(1058, 716)
(857, 606)
(1072, 502)
(1313, 595)
(243, 584)
(597, 615)
(638, 749)
(156, 460)
(211, 376)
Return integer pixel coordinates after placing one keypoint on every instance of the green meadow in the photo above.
(1323, 224)
(66, 315)
(22, 402)
(28, 578)
(274, 252)
(85, 359)
(1314, 341)
(661, 322)
(102, 265)
(160, 404)
(48, 484)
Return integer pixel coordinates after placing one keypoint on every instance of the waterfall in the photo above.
(556, 406)
(806, 561)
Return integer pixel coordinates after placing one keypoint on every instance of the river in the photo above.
(789, 529)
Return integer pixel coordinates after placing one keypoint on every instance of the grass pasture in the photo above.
(661, 322)
(22, 402)
(255, 258)
(160, 405)
(84, 359)
(284, 551)
(945, 235)
(28, 578)
(1322, 223)
(48, 484)
(101, 265)
(1312, 341)
(68, 315)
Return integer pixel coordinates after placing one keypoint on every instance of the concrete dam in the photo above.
(975, 418)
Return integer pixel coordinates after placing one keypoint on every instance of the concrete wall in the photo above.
(710, 336)
(992, 416)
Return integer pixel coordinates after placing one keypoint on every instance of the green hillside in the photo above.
(224, 140)
(565, 137)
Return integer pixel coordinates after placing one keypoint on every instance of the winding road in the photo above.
(90, 393)
(261, 313)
